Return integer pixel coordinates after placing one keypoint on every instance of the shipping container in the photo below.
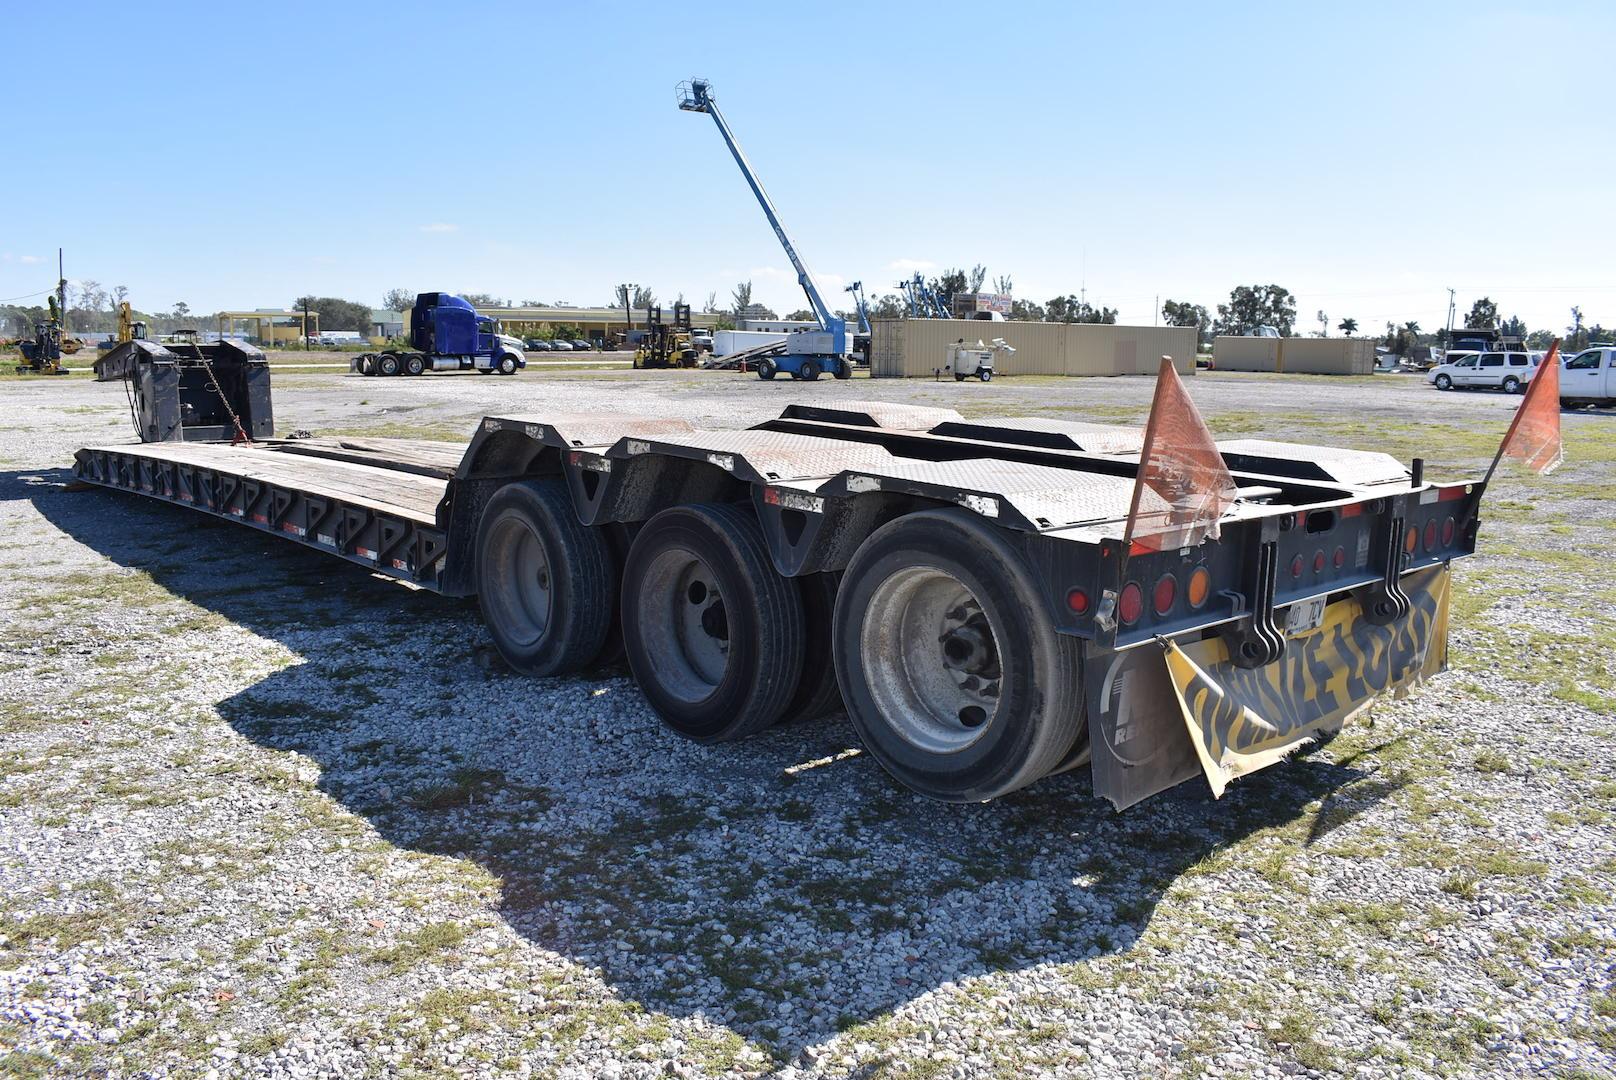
(915, 348)
(1305, 356)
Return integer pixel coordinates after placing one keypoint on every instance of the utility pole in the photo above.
(1450, 316)
(1155, 315)
(628, 288)
(305, 324)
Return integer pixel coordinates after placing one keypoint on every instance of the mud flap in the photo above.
(1162, 715)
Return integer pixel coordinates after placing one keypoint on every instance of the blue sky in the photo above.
(1366, 156)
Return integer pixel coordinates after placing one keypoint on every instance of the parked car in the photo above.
(1506, 371)
(1589, 378)
(560, 346)
(537, 345)
(580, 345)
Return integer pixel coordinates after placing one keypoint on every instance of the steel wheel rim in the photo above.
(525, 608)
(930, 658)
(684, 624)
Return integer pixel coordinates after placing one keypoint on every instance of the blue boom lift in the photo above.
(447, 334)
(808, 353)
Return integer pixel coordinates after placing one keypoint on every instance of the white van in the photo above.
(1589, 378)
(1506, 371)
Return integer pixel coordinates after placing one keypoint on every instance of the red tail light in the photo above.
(1166, 593)
(1131, 604)
(1318, 562)
(1430, 536)
(1297, 566)
(1078, 601)
(1447, 532)
(1340, 559)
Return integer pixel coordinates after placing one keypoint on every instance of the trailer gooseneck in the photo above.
(958, 585)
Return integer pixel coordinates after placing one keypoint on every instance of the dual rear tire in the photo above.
(935, 637)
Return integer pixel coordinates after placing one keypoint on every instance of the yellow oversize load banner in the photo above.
(1244, 719)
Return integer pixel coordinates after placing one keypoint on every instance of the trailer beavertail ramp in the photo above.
(960, 587)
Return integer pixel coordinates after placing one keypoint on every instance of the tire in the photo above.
(414, 364)
(958, 377)
(545, 582)
(1512, 385)
(766, 369)
(1443, 382)
(365, 364)
(507, 364)
(817, 693)
(387, 364)
(985, 374)
(714, 635)
(844, 369)
(810, 370)
(987, 706)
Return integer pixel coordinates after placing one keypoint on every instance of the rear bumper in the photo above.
(1163, 715)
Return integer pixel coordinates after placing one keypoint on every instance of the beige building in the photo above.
(1303, 356)
(911, 348)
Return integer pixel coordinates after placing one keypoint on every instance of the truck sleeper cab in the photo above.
(447, 334)
(958, 587)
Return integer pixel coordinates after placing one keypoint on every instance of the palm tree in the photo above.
(1348, 326)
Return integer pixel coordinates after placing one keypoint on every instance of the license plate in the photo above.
(1308, 615)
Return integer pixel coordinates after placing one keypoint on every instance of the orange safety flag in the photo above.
(1183, 487)
(1534, 434)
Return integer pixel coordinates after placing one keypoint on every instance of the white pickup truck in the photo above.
(1589, 378)
(1506, 371)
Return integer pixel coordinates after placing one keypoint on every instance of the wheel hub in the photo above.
(931, 658)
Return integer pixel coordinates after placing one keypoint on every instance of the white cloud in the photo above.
(440, 227)
(909, 266)
(9, 257)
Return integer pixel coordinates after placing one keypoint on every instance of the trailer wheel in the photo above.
(810, 370)
(414, 364)
(713, 633)
(817, 693)
(844, 369)
(951, 672)
(766, 368)
(365, 364)
(544, 579)
(387, 364)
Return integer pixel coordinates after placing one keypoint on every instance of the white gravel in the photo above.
(262, 814)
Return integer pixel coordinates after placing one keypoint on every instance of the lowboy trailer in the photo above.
(958, 586)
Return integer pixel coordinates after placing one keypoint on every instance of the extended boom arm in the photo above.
(697, 96)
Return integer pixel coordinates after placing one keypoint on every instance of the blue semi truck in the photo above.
(447, 334)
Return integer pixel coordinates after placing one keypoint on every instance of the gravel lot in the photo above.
(263, 814)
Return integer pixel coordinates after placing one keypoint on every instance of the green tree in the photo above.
(945, 286)
(337, 314)
(182, 310)
(1577, 335)
(1184, 313)
(1069, 309)
(398, 299)
(1026, 311)
(1483, 315)
(886, 306)
(1513, 327)
(979, 274)
(742, 297)
(1003, 285)
(804, 315)
(1251, 306)
(1348, 326)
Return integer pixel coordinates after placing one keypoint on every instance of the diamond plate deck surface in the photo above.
(1066, 434)
(883, 414)
(602, 428)
(1356, 467)
(1038, 492)
(777, 455)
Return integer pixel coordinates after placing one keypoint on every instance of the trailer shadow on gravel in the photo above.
(782, 886)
